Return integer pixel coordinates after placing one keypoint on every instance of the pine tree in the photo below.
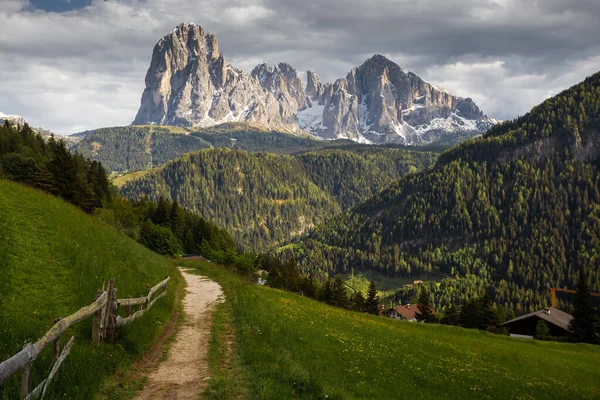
(425, 313)
(372, 302)
(357, 301)
(291, 276)
(487, 315)
(162, 216)
(339, 294)
(177, 220)
(584, 316)
(451, 315)
(326, 293)
(541, 330)
(469, 314)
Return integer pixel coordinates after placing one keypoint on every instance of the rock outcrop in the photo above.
(13, 119)
(283, 83)
(380, 102)
(190, 84)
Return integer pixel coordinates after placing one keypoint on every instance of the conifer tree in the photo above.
(339, 294)
(425, 313)
(372, 302)
(326, 293)
(357, 301)
(162, 216)
(541, 330)
(584, 316)
(451, 315)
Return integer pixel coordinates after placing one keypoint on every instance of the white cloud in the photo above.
(10, 6)
(85, 68)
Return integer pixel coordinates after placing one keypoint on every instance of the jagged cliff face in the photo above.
(13, 119)
(283, 83)
(380, 102)
(189, 84)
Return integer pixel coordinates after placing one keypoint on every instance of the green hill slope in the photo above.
(267, 199)
(134, 148)
(513, 213)
(53, 259)
(292, 347)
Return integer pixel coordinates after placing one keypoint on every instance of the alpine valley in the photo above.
(261, 234)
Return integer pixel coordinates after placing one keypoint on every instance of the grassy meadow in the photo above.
(53, 259)
(291, 347)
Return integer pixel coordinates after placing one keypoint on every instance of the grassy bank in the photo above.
(293, 347)
(53, 259)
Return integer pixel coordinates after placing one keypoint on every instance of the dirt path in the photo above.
(183, 375)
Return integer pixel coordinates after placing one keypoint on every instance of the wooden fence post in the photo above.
(96, 334)
(111, 327)
(165, 287)
(128, 309)
(57, 345)
(25, 381)
(105, 315)
(147, 293)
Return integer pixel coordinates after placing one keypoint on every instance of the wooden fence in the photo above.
(104, 310)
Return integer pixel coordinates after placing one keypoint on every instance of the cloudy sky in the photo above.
(72, 65)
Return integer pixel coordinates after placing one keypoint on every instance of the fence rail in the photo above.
(103, 309)
(141, 301)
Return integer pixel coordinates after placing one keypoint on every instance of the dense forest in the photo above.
(511, 214)
(268, 199)
(46, 164)
(136, 148)
(132, 148)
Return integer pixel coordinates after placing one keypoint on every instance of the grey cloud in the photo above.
(86, 68)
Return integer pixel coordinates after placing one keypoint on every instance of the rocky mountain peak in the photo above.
(283, 82)
(13, 119)
(189, 83)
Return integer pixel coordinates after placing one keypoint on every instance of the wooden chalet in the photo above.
(524, 326)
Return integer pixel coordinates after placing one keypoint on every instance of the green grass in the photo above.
(53, 259)
(121, 180)
(294, 347)
(228, 379)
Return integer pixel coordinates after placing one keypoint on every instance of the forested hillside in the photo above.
(132, 148)
(512, 213)
(135, 148)
(46, 164)
(267, 199)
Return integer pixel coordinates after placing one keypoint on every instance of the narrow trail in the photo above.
(183, 374)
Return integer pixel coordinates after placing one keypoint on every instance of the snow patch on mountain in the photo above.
(311, 118)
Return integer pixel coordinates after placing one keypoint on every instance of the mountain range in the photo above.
(513, 213)
(190, 84)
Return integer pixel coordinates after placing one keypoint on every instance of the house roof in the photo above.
(551, 315)
(408, 311)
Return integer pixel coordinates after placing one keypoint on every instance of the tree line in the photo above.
(165, 227)
(334, 291)
(481, 313)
